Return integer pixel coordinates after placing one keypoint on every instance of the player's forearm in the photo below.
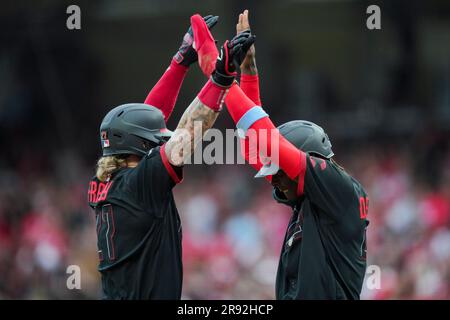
(249, 67)
(250, 153)
(200, 115)
(250, 86)
(248, 116)
(165, 93)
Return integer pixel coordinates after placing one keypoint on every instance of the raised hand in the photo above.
(232, 53)
(248, 65)
(204, 44)
(186, 54)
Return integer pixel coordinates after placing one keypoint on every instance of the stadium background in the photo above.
(383, 96)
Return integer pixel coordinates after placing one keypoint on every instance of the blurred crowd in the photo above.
(232, 228)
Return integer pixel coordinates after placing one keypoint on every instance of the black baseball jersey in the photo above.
(324, 250)
(139, 230)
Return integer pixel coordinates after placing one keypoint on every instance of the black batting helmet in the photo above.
(132, 128)
(306, 136)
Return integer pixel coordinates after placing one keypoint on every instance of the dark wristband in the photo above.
(222, 80)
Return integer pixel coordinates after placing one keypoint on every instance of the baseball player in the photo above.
(138, 226)
(324, 251)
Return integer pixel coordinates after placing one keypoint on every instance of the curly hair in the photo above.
(106, 165)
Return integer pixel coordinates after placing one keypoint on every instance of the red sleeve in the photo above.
(290, 159)
(177, 178)
(237, 102)
(164, 94)
(250, 86)
(250, 153)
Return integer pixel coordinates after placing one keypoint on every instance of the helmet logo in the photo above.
(105, 140)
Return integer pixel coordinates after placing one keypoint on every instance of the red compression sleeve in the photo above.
(250, 85)
(250, 153)
(237, 102)
(290, 160)
(165, 92)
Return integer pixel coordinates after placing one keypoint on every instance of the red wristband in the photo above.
(213, 96)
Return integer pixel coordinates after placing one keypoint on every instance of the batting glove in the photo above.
(231, 56)
(187, 55)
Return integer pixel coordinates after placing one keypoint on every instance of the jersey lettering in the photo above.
(363, 207)
(98, 191)
(323, 163)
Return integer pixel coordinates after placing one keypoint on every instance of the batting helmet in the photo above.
(306, 136)
(132, 128)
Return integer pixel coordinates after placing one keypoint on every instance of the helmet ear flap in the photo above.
(147, 145)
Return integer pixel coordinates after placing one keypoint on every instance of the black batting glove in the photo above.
(232, 53)
(187, 55)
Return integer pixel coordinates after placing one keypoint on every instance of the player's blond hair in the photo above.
(106, 165)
